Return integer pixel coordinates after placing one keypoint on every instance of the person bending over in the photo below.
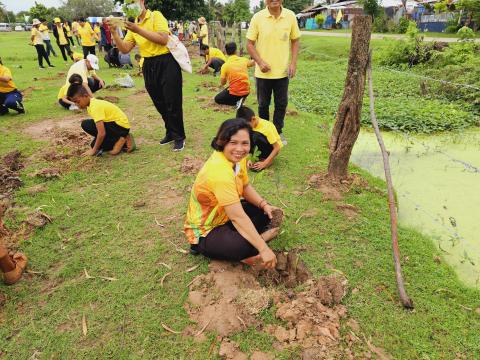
(226, 218)
(109, 125)
(12, 267)
(62, 94)
(86, 69)
(10, 97)
(265, 139)
(214, 58)
(235, 72)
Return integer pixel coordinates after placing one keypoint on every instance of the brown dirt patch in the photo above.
(43, 130)
(209, 86)
(48, 173)
(38, 219)
(37, 189)
(212, 105)
(291, 112)
(112, 99)
(277, 218)
(350, 211)
(9, 176)
(12, 161)
(331, 190)
(191, 165)
(139, 92)
(163, 195)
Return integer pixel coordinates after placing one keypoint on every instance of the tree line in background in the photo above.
(233, 11)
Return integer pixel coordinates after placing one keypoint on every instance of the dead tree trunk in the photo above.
(347, 124)
(240, 43)
(406, 301)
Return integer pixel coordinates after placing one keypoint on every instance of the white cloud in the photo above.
(23, 5)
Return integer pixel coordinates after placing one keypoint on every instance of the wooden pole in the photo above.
(406, 301)
(240, 43)
(347, 124)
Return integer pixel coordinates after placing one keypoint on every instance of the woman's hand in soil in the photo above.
(268, 257)
(89, 153)
(268, 210)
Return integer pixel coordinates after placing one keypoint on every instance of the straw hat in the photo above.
(202, 21)
(36, 22)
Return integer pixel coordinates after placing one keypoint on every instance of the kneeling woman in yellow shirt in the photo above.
(109, 125)
(219, 224)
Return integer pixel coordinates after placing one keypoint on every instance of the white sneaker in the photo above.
(73, 107)
(284, 141)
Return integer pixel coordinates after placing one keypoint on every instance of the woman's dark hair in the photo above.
(75, 79)
(227, 130)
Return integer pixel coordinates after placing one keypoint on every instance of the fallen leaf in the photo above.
(84, 326)
(166, 265)
(163, 278)
(169, 329)
(193, 268)
(108, 278)
(88, 276)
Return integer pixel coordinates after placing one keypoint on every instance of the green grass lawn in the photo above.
(427, 34)
(97, 228)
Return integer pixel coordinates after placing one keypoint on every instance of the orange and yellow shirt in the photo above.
(219, 183)
(235, 71)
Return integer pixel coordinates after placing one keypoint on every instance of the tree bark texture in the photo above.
(347, 124)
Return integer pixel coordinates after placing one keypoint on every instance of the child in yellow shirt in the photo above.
(265, 139)
(62, 93)
(109, 125)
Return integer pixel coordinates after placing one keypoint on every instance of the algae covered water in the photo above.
(437, 180)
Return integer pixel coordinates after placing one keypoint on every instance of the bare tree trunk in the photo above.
(347, 124)
(240, 43)
(219, 32)
(406, 301)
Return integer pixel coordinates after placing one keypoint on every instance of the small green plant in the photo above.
(320, 19)
(131, 9)
(403, 25)
(466, 34)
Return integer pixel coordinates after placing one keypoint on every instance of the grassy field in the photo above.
(427, 34)
(99, 229)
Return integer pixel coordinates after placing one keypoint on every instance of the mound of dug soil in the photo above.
(9, 177)
(191, 165)
(333, 190)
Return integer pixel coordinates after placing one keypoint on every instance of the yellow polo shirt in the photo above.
(215, 53)
(67, 27)
(270, 131)
(75, 26)
(63, 91)
(235, 71)
(44, 31)
(61, 36)
(153, 21)
(101, 110)
(219, 183)
(272, 40)
(37, 40)
(204, 31)
(98, 33)
(8, 86)
(87, 35)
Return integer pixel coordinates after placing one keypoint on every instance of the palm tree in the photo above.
(216, 8)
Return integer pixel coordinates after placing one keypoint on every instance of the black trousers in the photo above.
(88, 50)
(41, 54)
(113, 132)
(217, 64)
(65, 50)
(279, 88)
(63, 104)
(225, 98)
(70, 40)
(94, 85)
(49, 47)
(225, 242)
(260, 142)
(163, 81)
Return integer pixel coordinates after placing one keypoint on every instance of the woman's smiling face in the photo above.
(238, 147)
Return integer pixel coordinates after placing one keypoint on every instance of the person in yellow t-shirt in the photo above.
(60, 34)
(274, 34)
(161, 72)
(98, 35)
(68, 28)
(235, 73)
(203, 34)
(87, 37)
(109, 125)
(44, 30)
(265, 139)
(10, 97)
(63, 100)
(37, 41)
(195, 38)
(214, 58)
(219, 224)
(75, 27)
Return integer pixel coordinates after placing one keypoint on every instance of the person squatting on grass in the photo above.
(214, 58)
(12, 267)
(265, 139)
(10, 97)
(161, 72)
(86, 69)
(272, 34)
(235, 72)
(109, 125)
(37, 41)
(87, 37)
(226, 218)
(60, 34)
(62, 93)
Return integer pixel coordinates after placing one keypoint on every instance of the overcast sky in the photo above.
(19, 5)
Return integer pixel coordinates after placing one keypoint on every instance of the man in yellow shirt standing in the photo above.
(161, 72)
(87, 37)
(60, 34)
(37, 41)
(10, 97)
(214, 58)
(203, 33)
(272, 35)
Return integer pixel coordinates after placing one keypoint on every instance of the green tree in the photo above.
(20, 16)
(237, 11)
(472, 9)
(297, 5)
(215, 9)
(40, 11)
(85, 8)
(180, 9)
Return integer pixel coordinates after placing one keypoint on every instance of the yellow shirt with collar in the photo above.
(61, 36)
(215, 53)
(67, 28)
(204, 31)
(219, 183)
(101, 110)
(87, 35)
(235, 72)
(6, 86)
(270, 131)
(37, 36)
(153, 21)
(272, 38)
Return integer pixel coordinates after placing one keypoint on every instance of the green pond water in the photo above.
(437, 180)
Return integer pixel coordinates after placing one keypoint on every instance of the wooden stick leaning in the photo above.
(406, 301)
